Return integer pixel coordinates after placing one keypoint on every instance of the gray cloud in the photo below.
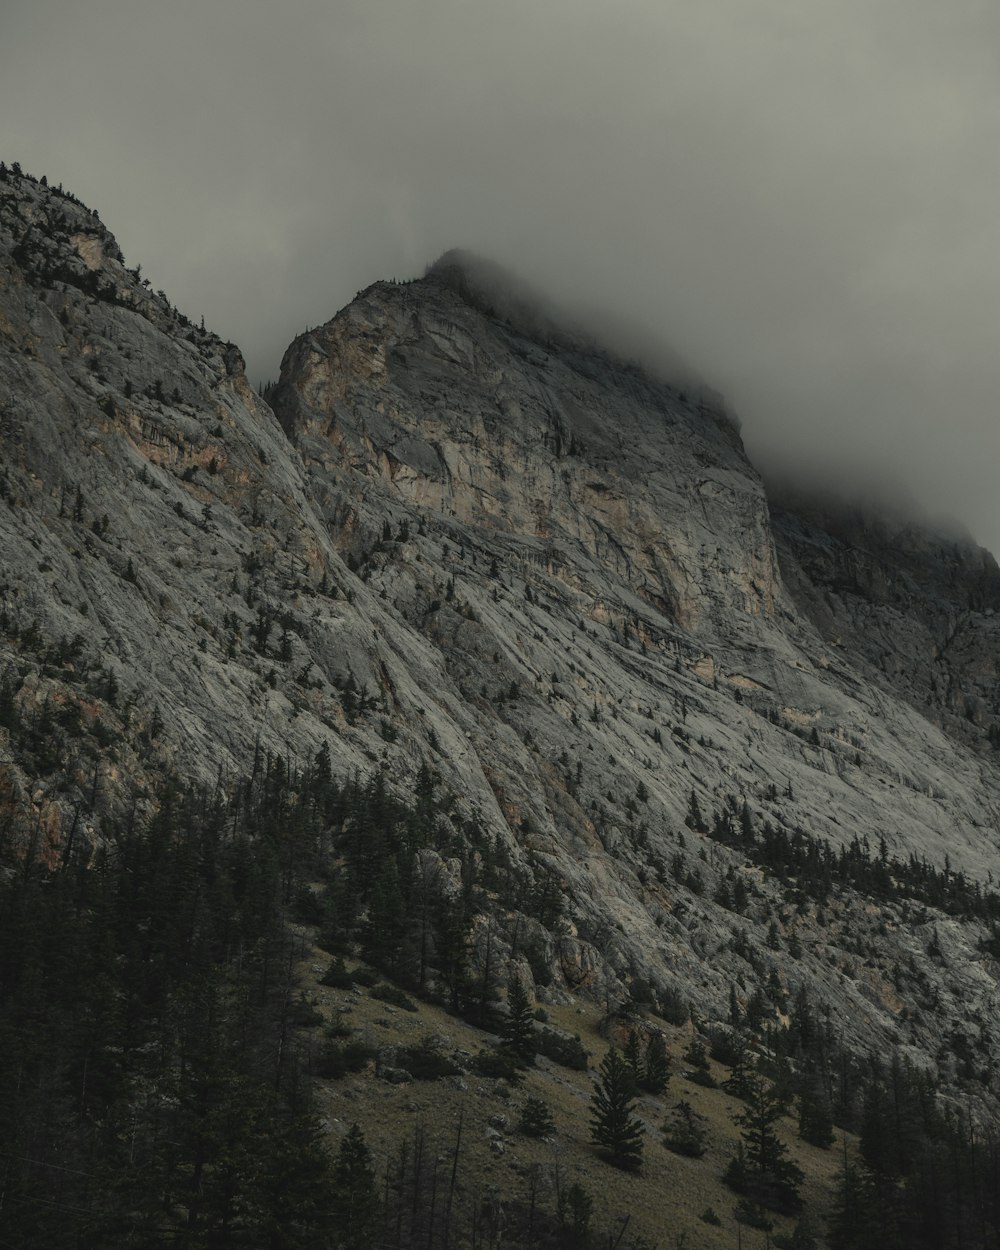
(799, 196)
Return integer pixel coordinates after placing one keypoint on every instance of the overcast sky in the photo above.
(801, 196)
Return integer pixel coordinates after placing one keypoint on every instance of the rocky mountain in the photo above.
(459, 538)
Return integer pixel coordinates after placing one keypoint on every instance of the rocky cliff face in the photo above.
(915, 610)
(415, 397)
(484, 545)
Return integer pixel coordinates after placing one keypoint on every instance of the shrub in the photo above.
(391, 994)
(337, 976)
(697, 1057)
(673, 1008)
(569, 1052)
(426, 1061)
(309, 907)
(336, 1059)
(499, 1064)
(304, 1014)
(684, 1132)
(753, 1215)
(536, 1119)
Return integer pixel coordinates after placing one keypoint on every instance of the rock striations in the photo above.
(458, 536)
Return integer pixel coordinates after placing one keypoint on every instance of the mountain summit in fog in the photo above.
(478, 656)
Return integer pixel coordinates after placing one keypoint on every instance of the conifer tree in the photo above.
(575, 1210)
(354, 1197)
(815, 1120)
(632, 1054)
(613, 1127)
(684, 1132)
(802, 1236)
(696, 1056)
(518, 1029)
(741, 1070)
(762, 1170)
(536, 1119)
(735, 1011)
(850, 1216)
(694, 819)
(656, 1070)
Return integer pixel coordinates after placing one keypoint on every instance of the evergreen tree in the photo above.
(632, 1054)
(762, 1170)
(536, 1119)
(684, 1132)
(9, 717)
(613, 1127)
(742, 1068)
(696, 1056)
(518, 1028)
(451, 928)
(355, 1202)
(148, 1059)
(694, 819)
(656, 1070)
(802, 1236)
(574, 1210)
(851, 1215)
(815, 1118)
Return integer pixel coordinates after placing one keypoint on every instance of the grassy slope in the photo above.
(664, 1201)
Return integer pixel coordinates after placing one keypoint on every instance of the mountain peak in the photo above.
(666, 725)
(499, 292)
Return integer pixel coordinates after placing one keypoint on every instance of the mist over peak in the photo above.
(796, 207)
(501, 292)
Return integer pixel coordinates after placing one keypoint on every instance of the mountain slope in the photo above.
(482, 549)
(601, 546)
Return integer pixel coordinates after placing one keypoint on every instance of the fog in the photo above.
(798, 197)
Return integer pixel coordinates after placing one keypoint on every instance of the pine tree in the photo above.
(697, 1057)
(694, 819)
(741, 1069)
(518, 1029)
(684, 1132)
(802, 1236)
(851, 1213)
(632, 1054)
(574, 1211)
(613, 1127)
(9, 716)
(536, 1119)
(762, 1171)
(815, 1120)
(656, 1071)
(354, 1198)
(451, 929)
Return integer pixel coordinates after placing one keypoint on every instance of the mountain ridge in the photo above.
(550, 582)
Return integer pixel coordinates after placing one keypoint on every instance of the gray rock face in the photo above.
(514, 557)
(916, 611)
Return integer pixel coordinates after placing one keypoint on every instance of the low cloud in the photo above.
(798, 198)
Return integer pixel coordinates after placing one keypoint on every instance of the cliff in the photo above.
(459, 537)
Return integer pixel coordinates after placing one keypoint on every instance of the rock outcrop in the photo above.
(491, 548)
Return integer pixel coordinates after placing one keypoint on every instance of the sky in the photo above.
(800, 197)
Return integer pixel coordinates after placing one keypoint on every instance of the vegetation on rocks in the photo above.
(456, 808)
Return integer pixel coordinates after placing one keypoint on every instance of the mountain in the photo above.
(724, 754)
